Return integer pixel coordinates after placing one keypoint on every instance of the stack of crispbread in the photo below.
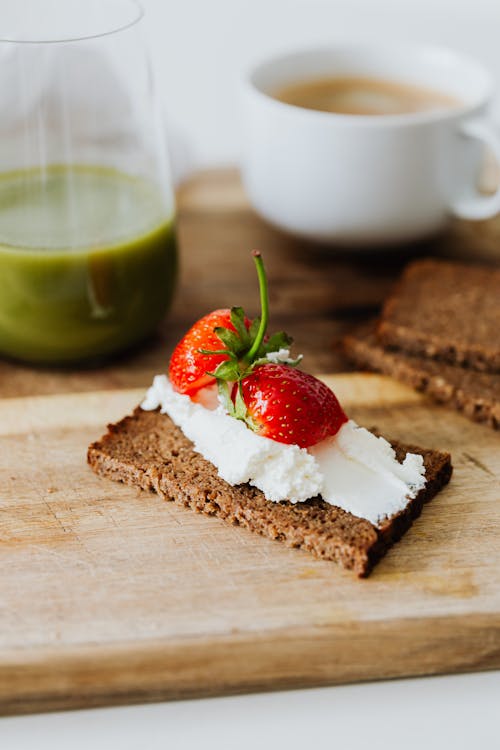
(440, 332)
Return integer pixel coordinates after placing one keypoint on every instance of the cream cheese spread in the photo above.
(354, 470)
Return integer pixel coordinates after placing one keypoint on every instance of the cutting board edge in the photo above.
(39, 680)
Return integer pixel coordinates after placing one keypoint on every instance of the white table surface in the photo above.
(459, 712)
(199, 49)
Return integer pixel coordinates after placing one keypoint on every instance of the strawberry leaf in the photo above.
(227, 371)
(254, 329)
(294, 362)
(225, 397)
(240, 409)
(229, 338)
(232, 355)
(238, 321)
(277, 341)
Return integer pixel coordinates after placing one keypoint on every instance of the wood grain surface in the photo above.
(111, 595)
(315, 294)
(108, 595)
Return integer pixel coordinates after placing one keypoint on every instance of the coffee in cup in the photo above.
(355, 95)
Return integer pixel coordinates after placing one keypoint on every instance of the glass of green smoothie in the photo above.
(87, 239)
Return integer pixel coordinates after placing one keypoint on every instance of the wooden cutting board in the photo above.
(110, 595)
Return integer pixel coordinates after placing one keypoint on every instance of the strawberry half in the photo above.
(189, 368)
(288, 405)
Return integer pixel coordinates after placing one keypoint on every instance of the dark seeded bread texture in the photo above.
(149, 451)
(446, 310)
(476, 394)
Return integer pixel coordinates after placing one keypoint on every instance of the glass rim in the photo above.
(62, 39)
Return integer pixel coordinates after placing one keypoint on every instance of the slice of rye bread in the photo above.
(476, 394)
(448, 311)
(149, 451)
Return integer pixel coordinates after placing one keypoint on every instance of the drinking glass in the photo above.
(87, 236)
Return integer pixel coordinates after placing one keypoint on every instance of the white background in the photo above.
(199, 50)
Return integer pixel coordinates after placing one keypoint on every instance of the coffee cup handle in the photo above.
(479, 206)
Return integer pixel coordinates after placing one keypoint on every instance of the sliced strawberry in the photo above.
(288, 405)
(189, 367)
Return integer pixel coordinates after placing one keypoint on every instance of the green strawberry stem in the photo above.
(264, 304)
(246, 344)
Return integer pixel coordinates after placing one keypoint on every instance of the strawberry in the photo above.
(188, 369)
(223, 345)
(255, 375)
(288, 405)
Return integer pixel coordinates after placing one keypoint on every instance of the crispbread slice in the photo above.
(476, 394)
(148, 450)
(448, 311)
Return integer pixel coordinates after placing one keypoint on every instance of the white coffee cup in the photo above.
(368, 179)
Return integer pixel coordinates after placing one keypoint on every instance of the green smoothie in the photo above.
(88, 262)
